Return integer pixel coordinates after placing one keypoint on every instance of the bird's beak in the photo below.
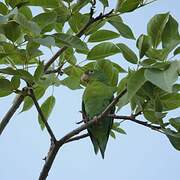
(85, 78)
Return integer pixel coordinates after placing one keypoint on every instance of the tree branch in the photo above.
(76, 138)
(17, 102)
(133, 119)
(44, 120)
(54, 57)
(68, 136)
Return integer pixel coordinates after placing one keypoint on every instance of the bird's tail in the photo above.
(100, 134)
(94, 141)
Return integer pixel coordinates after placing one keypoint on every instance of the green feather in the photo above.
(97, 96)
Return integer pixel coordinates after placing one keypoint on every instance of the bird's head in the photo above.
(87, 76)
(93, 75)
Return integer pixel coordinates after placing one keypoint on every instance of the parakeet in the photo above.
(97, 96)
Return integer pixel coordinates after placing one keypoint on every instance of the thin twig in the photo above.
(57, 70)
(44, 120)
(53, 58)
(133, 119)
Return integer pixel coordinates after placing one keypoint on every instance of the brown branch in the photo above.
(68, 136)
(53, 58)
(17, 102)
(44, 120)
(133, 119)
(53, 71)
(76, 138)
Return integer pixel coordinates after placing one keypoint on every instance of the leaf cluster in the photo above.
(151, 79)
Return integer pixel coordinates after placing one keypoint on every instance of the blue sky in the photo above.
(142, 154)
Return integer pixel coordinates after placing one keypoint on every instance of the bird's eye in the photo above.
(91, 72)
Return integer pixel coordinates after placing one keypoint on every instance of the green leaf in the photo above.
(78, 21)
(107, 70)
(128, 5)
(175, 122)
(170, 35)
(149, 63)
(70, 40)
(124, 100)
(32, 49)
(153, 117)
(143, 43)
(103, 50)
(46, 41)
(174, 138)
(46, 109)
(19, 72)
(29, 26)
(78, 5)
(104, 2)
(63, 13)
(12, 31)
(156, 27)
(163, 79)
(170, 101)
(103, 35)
(75, 71)
(5, 87)
(118, 67)
(26, 11)
(28, 103)
(82, 51)
(135, 82)
(69, 56)
(116, 127)
(44, 19)
(3, 9)
(71, 82)
(157, 54)
(124, 30)
(128, 54)
(176, 88)
(13, 56)
(15, 82)
(95, 26)
(112, 134)
(45, 3)
(39, 71)
(176, 51)
(16, 3)
(122, 84)
(157, 104)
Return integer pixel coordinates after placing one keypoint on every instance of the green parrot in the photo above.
(97, 96)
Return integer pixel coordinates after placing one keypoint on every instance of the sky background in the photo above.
(142, 154)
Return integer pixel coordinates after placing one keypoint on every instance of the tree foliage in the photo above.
(150, 85)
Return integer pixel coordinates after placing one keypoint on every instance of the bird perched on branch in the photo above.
(97, 96)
